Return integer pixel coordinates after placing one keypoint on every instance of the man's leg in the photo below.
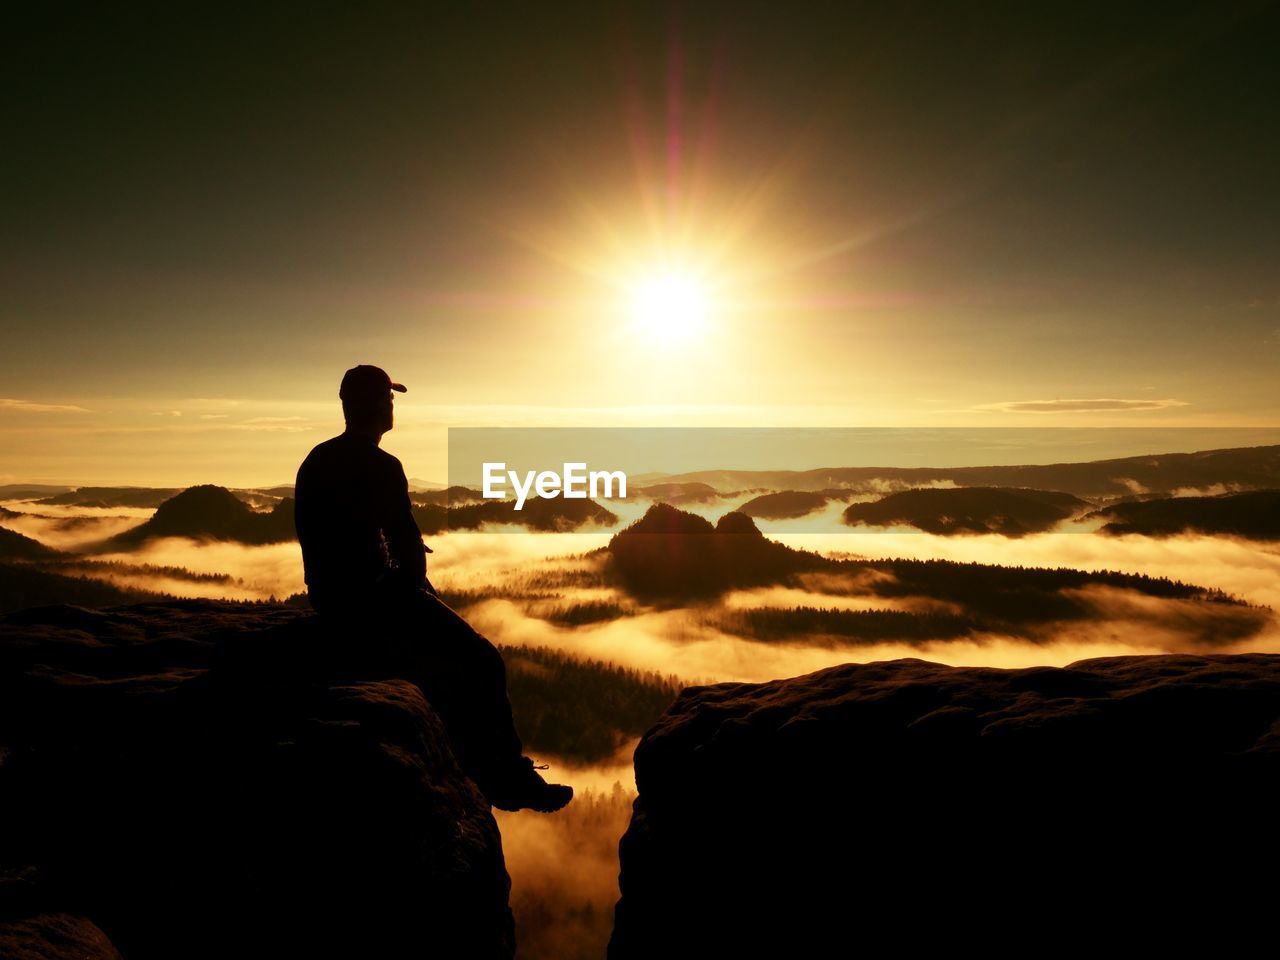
(463, 676)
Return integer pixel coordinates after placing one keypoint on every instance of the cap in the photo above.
(367, 381)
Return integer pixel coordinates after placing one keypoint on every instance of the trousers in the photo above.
(412, 634)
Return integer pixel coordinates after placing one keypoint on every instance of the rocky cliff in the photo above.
(907, 806)
(198, 779)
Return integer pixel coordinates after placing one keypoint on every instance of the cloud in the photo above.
(564, 866)
(31, 406)
(1213, 490)
(290, 424)
(1099, 405)
(258, 572)
(519, 570)
(69, 527)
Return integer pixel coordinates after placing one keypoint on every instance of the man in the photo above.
(365, 567)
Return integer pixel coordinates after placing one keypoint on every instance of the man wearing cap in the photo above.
(366, 573)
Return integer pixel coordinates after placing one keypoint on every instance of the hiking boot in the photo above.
(521, 787)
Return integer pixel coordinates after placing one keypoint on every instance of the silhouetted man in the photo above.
(365, 568)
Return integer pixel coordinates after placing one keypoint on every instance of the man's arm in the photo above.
(404, 539)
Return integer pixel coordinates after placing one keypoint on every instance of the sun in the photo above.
(669, 306)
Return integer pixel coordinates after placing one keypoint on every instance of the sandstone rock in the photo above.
(195, 780)
(54, 936)
(902, 806)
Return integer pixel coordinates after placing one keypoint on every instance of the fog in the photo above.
(67, 511)
(687, 642)
(564, 873)
(1247, 569)
(70, 527)
(259, 572)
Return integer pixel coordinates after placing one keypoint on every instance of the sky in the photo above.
(735, 214)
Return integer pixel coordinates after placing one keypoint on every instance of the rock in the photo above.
(54, 936)
(29, 931)
(945, 511)
(209, 512)
(785, 504)
(671, 555)
(1118, 801)
(1254, 515)
(16, 546)
(195, 780)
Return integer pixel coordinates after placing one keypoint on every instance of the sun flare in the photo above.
(669, 306)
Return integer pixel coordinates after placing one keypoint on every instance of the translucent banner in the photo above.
(1011, 481)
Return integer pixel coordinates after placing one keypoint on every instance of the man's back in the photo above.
(354, 520)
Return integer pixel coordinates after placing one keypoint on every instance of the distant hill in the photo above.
(668, 553)
(14, 546)
(669, 556)
(1255, 515)
(111, 497)
(968, 510)
(675, 494)
(1252, 467)
(551, 515)
(786, 504)
(280, 492)
(209, 512)
(256, 497)
(30, 491)
(23, 586)
(450, 496)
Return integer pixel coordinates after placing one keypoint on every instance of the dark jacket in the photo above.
(355, 523)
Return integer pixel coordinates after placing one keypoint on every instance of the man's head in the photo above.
(366, 398)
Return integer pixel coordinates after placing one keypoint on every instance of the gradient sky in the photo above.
(903, 214)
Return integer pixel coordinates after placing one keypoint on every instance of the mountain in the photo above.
(672, 557)
(786, 504)
(1116, 800)
(1255, 515)
(15, 546)
(968, 510)
(1250, 467)
(105, 497)
(670, 554)
(212, 513)
(30, 491)
(279, 491)
(676, 494)
(455, 495)
(112, 497)
(549, 515)
(23, 585)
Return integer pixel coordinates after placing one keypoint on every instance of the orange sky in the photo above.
(1044, 219)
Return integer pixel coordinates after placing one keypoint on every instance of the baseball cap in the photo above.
(367, 381)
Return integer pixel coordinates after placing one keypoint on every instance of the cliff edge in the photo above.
(192, 779)
(906, 805)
